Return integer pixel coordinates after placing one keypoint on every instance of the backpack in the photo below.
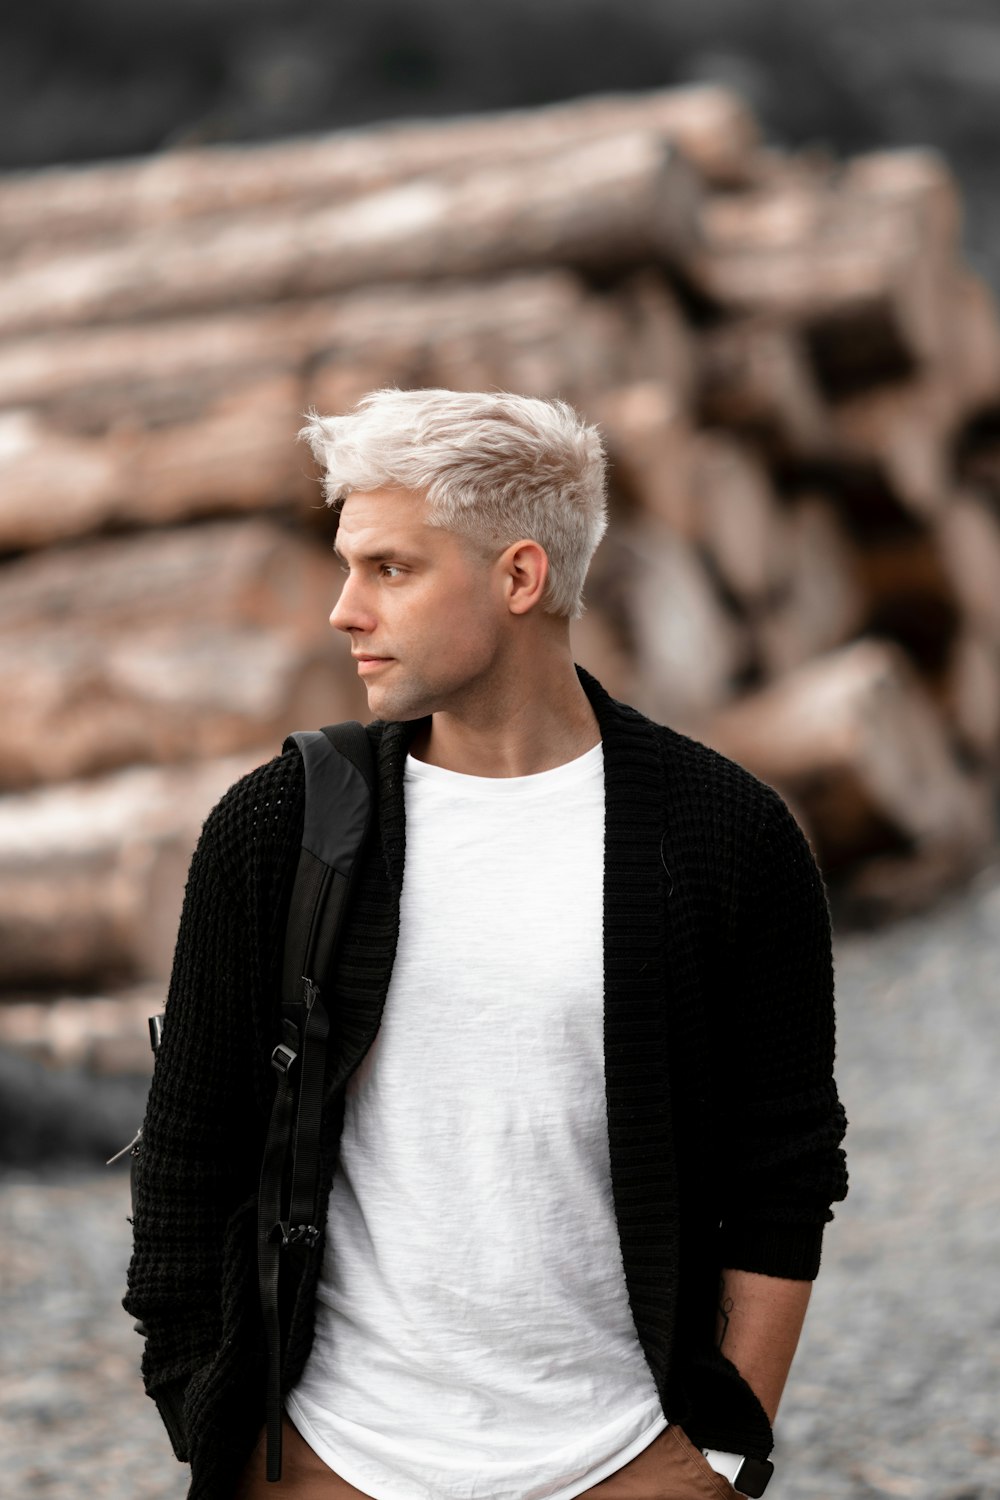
(340, 783)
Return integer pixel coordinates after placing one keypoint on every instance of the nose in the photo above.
(350, 613)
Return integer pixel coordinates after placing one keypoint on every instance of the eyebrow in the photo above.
(383, 554)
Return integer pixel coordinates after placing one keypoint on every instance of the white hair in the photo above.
(496, 467)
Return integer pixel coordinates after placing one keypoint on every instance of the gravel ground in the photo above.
(894, 1390)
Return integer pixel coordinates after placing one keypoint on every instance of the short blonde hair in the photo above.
(496, 467)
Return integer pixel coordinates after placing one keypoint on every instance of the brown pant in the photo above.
(671, 1468)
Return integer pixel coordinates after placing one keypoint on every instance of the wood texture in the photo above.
(619, 202)
(859, 271)
(821, 601)
(205, 641)
(856, 741)
(796, 376)
(738, 522)
(92, 873)
(79, 205)
(757, 379)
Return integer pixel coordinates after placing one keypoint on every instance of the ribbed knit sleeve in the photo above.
(206, 1112)
(784, 1166)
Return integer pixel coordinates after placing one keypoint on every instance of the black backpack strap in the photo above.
(340, 792)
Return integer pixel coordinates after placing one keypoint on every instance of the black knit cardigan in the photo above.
(724, 1123)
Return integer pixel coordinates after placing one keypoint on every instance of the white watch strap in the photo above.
(726, 1464)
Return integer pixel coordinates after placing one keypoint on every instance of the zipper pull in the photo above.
(310, 989)
(126, 1150)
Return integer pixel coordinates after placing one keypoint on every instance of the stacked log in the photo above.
(99, 670)
(148, 424)
(603, 205)
(91, 873)
(797, 377)
(97, 205)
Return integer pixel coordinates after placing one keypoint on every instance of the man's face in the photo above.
(424, 607)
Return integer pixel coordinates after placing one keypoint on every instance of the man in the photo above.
(581, 1134)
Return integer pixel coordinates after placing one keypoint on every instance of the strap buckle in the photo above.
(283, 1057)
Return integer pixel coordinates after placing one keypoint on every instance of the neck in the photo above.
(530, 719)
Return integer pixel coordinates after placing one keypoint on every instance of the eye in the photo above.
(391, 570)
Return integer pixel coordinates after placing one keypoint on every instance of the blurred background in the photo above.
(759, 244)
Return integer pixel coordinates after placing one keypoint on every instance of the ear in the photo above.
(526, 568)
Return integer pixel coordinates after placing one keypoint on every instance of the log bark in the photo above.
(688, 649)
(92, 377)
(857, 274)
(757, 380)
(970, 364)
(618, 202)
(106, 1035)
(856, 742)
(822, 603)
(229, 573)
(415, 329)
(152, 424)
(92, 874)
(971, 696)
(660, 344)
(917, 181)
(890, 887)
(909, 597)
(571, 346)
(737, 521)
(238, 453)
(80, 205)
(705, 486)
(969, 539)
(650, 445)
(80, 704)
(903, 431)
(145, 365)
(978, 459)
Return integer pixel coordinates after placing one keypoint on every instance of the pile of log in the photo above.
(797, 376)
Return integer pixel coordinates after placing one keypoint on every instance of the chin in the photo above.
(414, 696)
(398, 703)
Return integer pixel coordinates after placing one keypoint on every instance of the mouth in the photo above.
(369, 664)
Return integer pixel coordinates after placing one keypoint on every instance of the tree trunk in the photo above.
(757, 380)
(80, 702)
(738, 522)
(969, 534)
(822, 604)
(917, 181)
(909, 597)
(91, 378)
(236, 453)
(609, 205)
(224, 573)
(154, 423)
(650, 446)
(902, 431)
(971, 697)
(87, 205)
(92, 874)
(661, 345)
(105, 1035)
(859, 274)
(970, 364)
(688, 650)
(856, 742)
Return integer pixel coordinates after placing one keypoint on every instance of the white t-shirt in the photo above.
(473, 1334)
